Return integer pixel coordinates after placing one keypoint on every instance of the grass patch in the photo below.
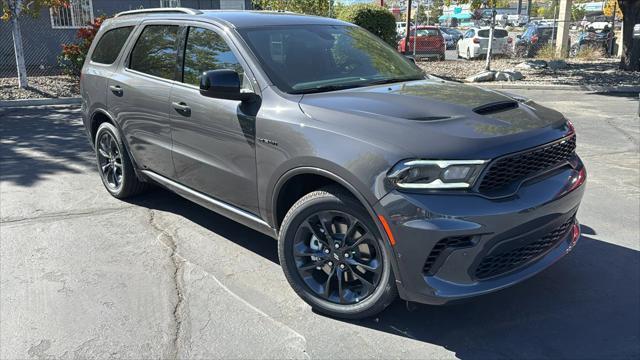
(590, 53)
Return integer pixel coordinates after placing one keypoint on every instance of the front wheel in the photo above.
(114, 165)
(333, 256)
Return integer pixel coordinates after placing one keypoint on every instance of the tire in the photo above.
(117, 175)
(296, 226)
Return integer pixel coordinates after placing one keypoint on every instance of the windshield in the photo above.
(315, 58)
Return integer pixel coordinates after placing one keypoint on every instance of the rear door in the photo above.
(139, 95)
(101, 65)
(213, 139)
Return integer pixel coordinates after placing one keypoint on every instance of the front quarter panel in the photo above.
(288, 139)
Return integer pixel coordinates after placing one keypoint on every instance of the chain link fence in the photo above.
(42, 44)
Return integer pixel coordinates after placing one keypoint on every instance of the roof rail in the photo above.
(160, 10)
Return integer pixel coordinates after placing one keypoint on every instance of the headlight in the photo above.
(436, 174)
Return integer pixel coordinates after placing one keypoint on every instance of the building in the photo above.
(43, 36)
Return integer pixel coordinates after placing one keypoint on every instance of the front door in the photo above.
(213, 139)
(139, 97)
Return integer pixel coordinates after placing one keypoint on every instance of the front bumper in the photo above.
(454, 246)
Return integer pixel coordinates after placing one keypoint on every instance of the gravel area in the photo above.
(40, 87)
(602, 72)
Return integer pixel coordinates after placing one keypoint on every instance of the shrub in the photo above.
(73, 55)
(377, 19)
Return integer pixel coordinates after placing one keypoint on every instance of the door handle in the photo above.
(116, 90)
(182, 108)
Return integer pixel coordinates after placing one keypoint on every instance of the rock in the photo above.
(558, 64)
(533, 64)
(482, 76)
(508, 76)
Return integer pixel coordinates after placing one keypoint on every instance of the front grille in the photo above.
(503, 262)
(455, 242)
(510, 169)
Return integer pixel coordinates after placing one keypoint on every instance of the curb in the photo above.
(595, 88)
(40, 102)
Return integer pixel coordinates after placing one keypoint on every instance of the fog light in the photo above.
(456, 173)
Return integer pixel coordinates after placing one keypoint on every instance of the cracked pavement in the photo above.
(83, 275)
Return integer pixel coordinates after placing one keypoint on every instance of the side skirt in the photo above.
(241, 216)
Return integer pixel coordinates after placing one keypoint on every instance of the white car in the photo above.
(476, 41)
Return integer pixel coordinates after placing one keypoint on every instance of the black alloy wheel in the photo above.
(110, 161)
(334, 256)
(337, 257)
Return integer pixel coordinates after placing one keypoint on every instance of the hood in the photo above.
(456, 118)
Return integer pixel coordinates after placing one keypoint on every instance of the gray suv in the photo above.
(376, 179)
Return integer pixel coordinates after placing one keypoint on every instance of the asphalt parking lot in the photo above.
(83, 275)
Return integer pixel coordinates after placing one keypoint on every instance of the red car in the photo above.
(428, 43)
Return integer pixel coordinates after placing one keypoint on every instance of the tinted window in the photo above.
(206, 50)
(155, 51)
(428, 32)
(313, 58)
(110, 44)
(497, 33)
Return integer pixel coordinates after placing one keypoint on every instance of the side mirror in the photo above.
(222, 84)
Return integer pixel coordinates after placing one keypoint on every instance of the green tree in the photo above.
(577, 12)
(377, 19)
(309, 7)
(11, 12)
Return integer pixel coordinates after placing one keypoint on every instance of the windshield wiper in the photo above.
(392, 80)
(326, 88)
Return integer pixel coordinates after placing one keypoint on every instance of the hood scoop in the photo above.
(495, 107)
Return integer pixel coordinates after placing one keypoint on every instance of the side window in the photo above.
(469, 34)
(110, 44)
(206, 50)
(155, 51)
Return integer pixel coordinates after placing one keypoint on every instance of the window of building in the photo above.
(232, 4)
(206, 50)
(169, 3)
(76, 14)
(110, 44)
(155, 51)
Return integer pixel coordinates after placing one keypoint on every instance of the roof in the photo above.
(245, 19)
(232, 18)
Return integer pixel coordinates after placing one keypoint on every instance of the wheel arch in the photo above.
(100, 116)
(332, 178)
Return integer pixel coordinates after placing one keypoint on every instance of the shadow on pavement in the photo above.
(164, 200)
(586, 306)
(36, 144)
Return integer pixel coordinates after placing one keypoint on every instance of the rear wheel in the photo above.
(333, 256)
(114, 165)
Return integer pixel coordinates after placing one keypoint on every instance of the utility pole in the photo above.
(613, 28)
(415, 25)
(408, 27)
(519, 6)
(493, 25)
(564, 18)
